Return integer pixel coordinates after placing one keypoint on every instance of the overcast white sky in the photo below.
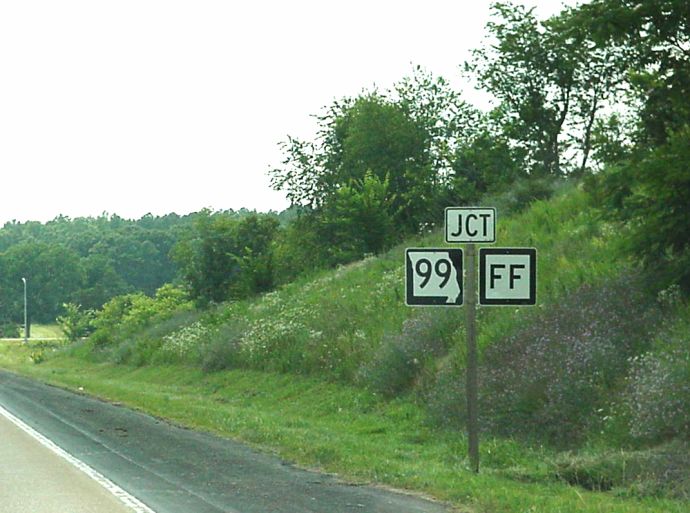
(131, 107)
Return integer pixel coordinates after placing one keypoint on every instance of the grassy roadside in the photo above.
(46, 331)
(336, 428)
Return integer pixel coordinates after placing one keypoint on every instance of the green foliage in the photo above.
(485, 163)
(298, 249)
(401, 358)
(84, 261)
(658, 209)
(225, 256)
(75, 322)
(9, 330)
(123, 317)
(406, 138)
(657, 396)
(53, 274)
(357, 220)
(656, 35)
(522, 193)
(551, 85)
(651, 194)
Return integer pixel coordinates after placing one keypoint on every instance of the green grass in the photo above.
(45, 331)
(337, 428)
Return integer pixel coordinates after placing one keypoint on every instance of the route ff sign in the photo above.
(433, 277)
(470, 224)
(507, 276)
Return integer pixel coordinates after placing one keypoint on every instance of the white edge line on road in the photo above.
(129, 500)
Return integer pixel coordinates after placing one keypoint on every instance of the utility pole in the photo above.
(26, 325)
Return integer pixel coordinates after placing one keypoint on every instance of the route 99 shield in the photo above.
(433, 277)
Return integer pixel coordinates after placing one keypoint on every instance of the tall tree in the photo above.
(551, 85)
(226, 256)
(53, 275)
(656, 36)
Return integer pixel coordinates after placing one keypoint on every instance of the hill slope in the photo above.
(334, 371)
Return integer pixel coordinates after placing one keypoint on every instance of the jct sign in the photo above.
(507, 276)
(470, 224)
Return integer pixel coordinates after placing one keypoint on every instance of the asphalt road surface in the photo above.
(33, 479)
(167, 468)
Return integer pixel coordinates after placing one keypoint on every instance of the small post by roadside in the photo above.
(26, 333)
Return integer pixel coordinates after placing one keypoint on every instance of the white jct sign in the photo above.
(507, 276)
(470, 224)
(433, 277)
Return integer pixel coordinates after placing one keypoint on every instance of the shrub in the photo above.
(127, 316)
(75, 323)
(183, 345)
(9, 330)
(223, 350)
(522, 193)
(658, 395)
(402, 357)
(552, 378)
(137, 351)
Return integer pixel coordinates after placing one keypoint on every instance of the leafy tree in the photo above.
(225, 255)
(255, 235)
(298, 248)
(75, 322)
(485, 163)
(357, 220)
(117, 255)
(550, 83)
(407, 137)
(206, 257)
(101, 282)
(533, 77)
(648, 178)
(53, 275)
(449, 122)
(368, 134)
(651, 193)
(656, 36)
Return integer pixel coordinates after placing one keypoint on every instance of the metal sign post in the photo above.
(470, 225)
(472, 380)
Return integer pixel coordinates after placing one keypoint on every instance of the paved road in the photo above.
(174, 470)
(33, 479)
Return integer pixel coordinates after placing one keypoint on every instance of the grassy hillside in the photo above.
(330, 324)
(335, 372)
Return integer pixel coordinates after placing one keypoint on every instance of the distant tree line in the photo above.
(85, 261)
